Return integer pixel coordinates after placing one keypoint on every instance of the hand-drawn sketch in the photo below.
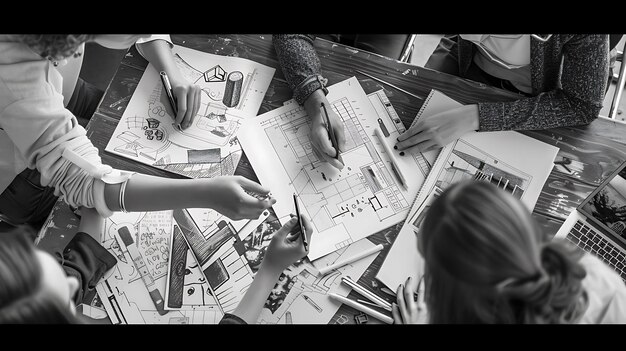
(300, 297)
(140, 241)
(347, 205)
(510, 160)
(232, 89)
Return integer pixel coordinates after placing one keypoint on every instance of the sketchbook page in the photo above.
(232, 89)
(136, 290)
(344, 206)
(510, 160)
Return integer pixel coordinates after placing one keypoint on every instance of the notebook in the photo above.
(598, 226)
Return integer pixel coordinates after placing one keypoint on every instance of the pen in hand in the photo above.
(331, 133)
(170, 94)
(302, 229)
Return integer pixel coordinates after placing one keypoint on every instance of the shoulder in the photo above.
(23, 73)
(606, 292)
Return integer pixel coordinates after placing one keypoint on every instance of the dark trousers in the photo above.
(25, 200)
(445, 59)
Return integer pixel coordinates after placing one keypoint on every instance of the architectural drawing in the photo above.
(128, 290)
(510, 160)
(232, 89)
(345, 205)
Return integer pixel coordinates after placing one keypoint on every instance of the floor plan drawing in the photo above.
(345, 205)
(232, 89)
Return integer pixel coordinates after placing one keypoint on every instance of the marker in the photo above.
(348, 260)
(392, 159)
(362, 308)
(133, 251)
(370, 295)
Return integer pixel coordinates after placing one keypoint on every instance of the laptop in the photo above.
(598, 225)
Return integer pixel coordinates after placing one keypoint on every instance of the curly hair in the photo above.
(54, 46)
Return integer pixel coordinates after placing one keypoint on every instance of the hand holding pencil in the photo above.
(286, 246)
(321, 135)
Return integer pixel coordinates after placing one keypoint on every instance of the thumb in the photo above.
(289, 227)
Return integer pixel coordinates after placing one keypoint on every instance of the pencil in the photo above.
(389, 84)
(348, 260)
(169, 92)
(394, 165)
(331, 133)
(362, 308)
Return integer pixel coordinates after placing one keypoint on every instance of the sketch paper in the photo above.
(300, 297)
(123, 292)
(512, 161)
(232, 89)
(344, 206)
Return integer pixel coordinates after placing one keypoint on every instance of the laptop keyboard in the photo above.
(587, 239)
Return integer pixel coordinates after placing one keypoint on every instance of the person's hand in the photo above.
(231, 196)
(620, 212)
(320, 140)
(436, 131)
(286, 246)
(408, 310)
(188, 98)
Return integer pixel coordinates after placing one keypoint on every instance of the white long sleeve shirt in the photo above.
(35, 126)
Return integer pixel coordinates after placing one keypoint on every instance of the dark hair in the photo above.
(54, 46)
(22, 300)
(486, 261)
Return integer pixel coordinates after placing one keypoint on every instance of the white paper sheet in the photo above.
(123, 292)
(232, 89)
(344, 206)
(511, 160)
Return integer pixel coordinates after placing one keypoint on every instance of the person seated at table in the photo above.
(302, 69)
(45, 153)
(561, 80)
(487, 261)
(37, 289)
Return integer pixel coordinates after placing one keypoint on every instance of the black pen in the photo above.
(331, 133)
(169, 92)
(302, 230)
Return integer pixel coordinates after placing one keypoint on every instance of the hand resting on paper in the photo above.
(436, 131)
(410, 309)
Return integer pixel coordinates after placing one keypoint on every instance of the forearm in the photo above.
(298, 61)
(150, 193)
(252, 303)
(159, 54)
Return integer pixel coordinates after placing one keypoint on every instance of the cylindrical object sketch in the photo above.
(232, 91)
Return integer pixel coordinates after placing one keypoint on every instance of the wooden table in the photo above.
(595, 150)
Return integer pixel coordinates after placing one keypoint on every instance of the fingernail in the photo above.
(395, 147)
(401, 153)
(398, 138)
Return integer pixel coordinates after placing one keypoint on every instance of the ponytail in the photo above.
(555, 293)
